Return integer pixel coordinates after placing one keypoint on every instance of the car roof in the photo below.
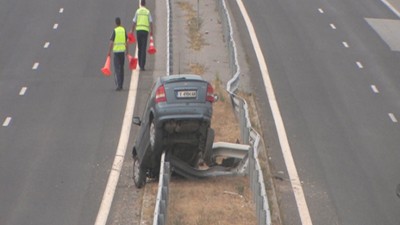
(172, 78)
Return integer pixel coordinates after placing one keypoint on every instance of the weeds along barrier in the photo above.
(248, 134)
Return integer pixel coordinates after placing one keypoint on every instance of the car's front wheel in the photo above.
(208, 148)
(139, 175)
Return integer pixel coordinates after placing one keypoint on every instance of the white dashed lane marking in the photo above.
(321, 11)
(23, 91)
(35, 66)
(7, 122)
(392, 117)
(333, 26)
(345, 44)
(374, 89)
(360, 65)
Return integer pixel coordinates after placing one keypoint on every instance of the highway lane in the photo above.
(58, 147)
(337, 85)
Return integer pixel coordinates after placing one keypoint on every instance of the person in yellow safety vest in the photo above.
(143, 24)
(119, 46)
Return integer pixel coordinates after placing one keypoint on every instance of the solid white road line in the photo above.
(392, 117)
(7, 122)
(109, 192)
(391, 7)
(333, 26)
(23, 91)
(360, 65)
(374, 89)
(35, 66)
(46, 45)
(283, 140)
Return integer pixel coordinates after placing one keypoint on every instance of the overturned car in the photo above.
(176, 119)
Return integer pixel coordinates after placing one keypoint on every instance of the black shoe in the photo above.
(119, 89)
(142, 69)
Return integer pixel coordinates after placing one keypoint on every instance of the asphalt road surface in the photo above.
(334, 67)
(335, 71)
(60, 117)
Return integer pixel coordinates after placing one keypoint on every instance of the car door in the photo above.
(143, 138)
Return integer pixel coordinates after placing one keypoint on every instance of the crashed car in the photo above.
(176, 119)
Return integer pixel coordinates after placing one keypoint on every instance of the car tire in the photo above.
(155, 137)
(208, 147)
(139, 175)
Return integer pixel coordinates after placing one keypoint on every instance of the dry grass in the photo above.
(222, 201)
(249, 98)
(224, 121)
(197, 68)
(193, 26)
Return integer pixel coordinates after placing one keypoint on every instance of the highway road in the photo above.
(335, 69)
(60, 117)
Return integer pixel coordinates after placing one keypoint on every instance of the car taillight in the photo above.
(210, 93)
(160, 94)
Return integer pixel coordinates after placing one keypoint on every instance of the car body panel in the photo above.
(182, 121)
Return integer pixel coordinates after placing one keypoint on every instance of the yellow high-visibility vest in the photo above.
(142, 20)
(119, 39)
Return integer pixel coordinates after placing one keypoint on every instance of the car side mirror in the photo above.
(136, 120)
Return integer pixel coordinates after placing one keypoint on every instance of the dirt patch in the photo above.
(193, 26)
(222, 201)
(224, 121)
(197, 68)
(149, 202)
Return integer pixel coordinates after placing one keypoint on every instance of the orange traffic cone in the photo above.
(131, 38)
(132, 62)
(106, 69)
(152, 50)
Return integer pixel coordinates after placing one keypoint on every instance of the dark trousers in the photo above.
(142, 46)
(119, 60)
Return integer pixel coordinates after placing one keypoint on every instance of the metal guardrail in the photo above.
(161, 208)
(160, 211)
(248, 134)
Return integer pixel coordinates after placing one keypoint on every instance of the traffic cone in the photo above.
(106, 69)
(131, 38)
(152, 50)
(132, 62)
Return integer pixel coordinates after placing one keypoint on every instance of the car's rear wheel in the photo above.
(139, 175)
(155, 137)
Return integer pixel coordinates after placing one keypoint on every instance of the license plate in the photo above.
(186, 94)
